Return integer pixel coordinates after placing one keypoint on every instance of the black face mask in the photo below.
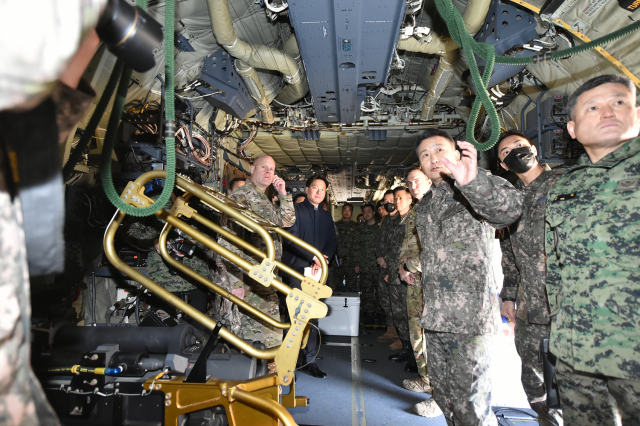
(389, 207)
(520, 160)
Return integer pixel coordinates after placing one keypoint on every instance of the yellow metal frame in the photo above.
(247, 402)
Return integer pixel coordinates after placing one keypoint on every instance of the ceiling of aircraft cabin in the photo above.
(361, 143)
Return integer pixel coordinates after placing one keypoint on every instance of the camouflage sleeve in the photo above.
(411, 245)
(509, 268)
(552, 279)
(140, 233)
(71, 104)
(286, 212)
(493, 198)
(380, 246)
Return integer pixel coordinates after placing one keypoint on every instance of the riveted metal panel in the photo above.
(345, 45)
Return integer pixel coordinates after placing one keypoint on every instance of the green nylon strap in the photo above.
(459, 34)
(116, 114)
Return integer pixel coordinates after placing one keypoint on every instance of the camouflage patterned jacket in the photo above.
(389, 243)
(456, 230)
(250, 196)
(411, 245)
(523, 259)
(592, 234)
(346, 233)
(366, 239)
(142, 232)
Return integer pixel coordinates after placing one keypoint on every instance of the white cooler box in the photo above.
(343, 318)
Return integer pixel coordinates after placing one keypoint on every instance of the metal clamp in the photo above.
(181, 208)
(133, 195)
(314, 289)
(263, 273)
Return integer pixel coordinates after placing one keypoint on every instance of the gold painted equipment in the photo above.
(257, 401)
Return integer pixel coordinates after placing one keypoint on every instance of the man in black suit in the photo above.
(315, 226)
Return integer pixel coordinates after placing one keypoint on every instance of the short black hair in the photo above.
(317, 177)
(373, 209)
(358, 217)
(388, 191)
(298, 196)
(348, 205)
(432, 133)
(234, 180)
(592, 84)
(400, 188)
(506, 134)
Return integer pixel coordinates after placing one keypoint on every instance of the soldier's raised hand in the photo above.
(466, 169)
(279, 185)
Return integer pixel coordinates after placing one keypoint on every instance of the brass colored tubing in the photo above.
(263, 405)
(305, 245)
(110, 251)
(223, 251)
(221, 291)
(218, 205)
(245, 245)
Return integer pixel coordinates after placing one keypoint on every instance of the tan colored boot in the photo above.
(418, 385)
(427, 408)
(397, 345)
(391, 334)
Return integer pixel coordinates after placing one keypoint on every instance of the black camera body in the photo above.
(130, 33)
(187, 248)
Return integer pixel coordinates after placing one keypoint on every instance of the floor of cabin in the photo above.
(363, 387)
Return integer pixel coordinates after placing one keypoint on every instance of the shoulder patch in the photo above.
(563, 197)
(628, 185)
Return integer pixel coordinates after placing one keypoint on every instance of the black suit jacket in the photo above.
(315, 226)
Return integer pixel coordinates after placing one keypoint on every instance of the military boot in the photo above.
(391, 334)
(412, 365)
(404, 354)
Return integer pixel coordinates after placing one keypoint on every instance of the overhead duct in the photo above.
(473, 16)
(257, 56)
(293, 92)
(256, 90)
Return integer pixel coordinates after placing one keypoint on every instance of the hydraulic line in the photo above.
(170, 125)
(458, 33)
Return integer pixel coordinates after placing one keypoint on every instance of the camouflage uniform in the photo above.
(391, 236)
(593, 282)
(411, 251)
(455, 225)
(144, 231)
(365, 258)
(523, 265)
(346, 233)
(230, 277)
(22, 400)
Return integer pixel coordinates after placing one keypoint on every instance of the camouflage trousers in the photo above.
(246, 326)
(22, 400)
(592, 399)
(528, 337)
(459, 371)
(383, 297)
(416, 333)
(343, 278)
(368, 286)
(398, 297)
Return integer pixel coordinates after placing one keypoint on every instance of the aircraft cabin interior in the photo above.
(193, 95)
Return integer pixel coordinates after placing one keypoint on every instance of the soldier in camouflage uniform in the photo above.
(144, 232)
(456, 223)
(366, 265)
(383, 288)
(252, 195)
(388, 250)
(411, 273)
(346, 232)
(523, 265)
(22, 400)
(591, 241)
